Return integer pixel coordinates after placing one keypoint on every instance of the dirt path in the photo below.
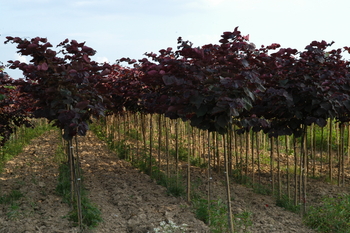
(129, 200)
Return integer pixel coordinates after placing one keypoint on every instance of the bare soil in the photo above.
(129, 200)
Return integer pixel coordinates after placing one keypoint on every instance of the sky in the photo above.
(129, 28)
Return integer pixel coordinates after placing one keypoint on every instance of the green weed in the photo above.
(91, 214)
(262, 189)
(215, 215)
(24, 135)
(10, 198)
(333, 215)
(287, 204)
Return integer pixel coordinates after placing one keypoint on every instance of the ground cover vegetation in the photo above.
(270, 117)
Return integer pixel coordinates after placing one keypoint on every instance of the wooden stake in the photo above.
(228, 193)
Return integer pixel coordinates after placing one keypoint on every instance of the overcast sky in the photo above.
(129, 28)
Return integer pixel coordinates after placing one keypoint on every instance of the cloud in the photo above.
(102, 60)
(21, 58)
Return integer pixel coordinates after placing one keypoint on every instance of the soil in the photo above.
(129, 200)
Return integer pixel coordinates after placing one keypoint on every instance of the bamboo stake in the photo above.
(348, 145)
(330, 151)
(143, 129)
(303, 169)
(228, 193)
(288, 166)
(78, 183)
(137, 136)
(321, 149)
(252, 151)
(247, 142)
(278, 168)
(177, 151)
(341, 155)
(209, 178)
(258, 157)
(271, 165)
(236, 148)
(230, 135)
(159, 140)
(189, 164)
(295, 171)
(166, 122)
(314, 171)
(241, 156)
(150, 144)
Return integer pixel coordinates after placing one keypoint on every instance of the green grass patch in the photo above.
(10, 198)
(287, 204)
(24, 135)
(91, 214)
(333, 215)
(214, 214)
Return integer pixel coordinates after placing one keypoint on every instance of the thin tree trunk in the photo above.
(252, 151)
(177, 151)
(295, 171)
(189, 135)
(288, 166)
(167, 124)
(247, 143)
(330, 151)
(314, 151)
(230, 134)
(303, 170)
(229, 208)
(321, 149)
(271, 165)
(78, 184)
(150, 144)
(278, 168)
(258, 157)
(209, 179)
(348, 145)
(159, 140)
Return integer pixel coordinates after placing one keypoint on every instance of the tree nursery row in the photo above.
(232, 96)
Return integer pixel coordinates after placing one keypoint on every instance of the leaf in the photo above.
(202, 110)
(168, 80)
(222, 121)
(44, 66)
(216, 110)
(197, 100)
(64, 92)
(82, 128)
(245, 63)
(86, 58)
(325, 106)
(321, 122)
(249, 93)
(82, 105)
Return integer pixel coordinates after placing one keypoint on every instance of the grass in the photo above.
(91, 214)
(333, 215)
(10, 198)
(214, 214)
(287, 204)
(24, 135)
